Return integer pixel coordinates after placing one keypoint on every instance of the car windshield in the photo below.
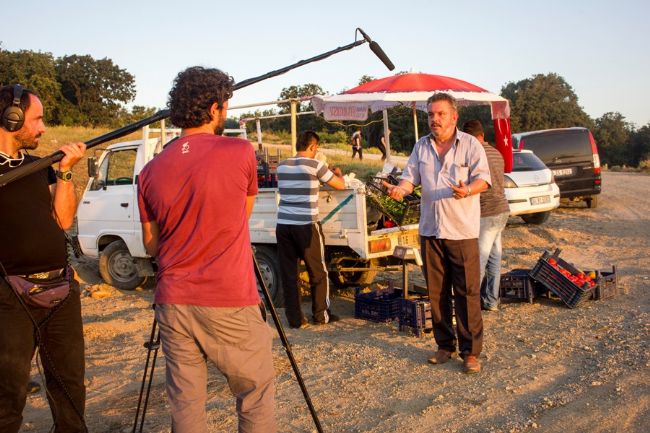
(526, 162)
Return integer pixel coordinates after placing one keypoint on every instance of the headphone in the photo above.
(13, 117)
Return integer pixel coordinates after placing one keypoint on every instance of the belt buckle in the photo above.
(46, 275)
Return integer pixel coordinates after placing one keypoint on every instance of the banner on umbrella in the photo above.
(345, 112)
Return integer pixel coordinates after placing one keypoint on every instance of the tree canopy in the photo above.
(93, 90)
(35, 71)
(612, 134)
(543, 102)
(75, 89)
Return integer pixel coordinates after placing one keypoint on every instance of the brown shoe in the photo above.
(440, 357)
(471, 364)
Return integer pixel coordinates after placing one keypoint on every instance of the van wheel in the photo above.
(536, 218)
(267, 260)
(117, 267)
(339, 260)
(592, 202)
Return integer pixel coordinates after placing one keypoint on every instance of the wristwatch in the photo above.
(65, 176)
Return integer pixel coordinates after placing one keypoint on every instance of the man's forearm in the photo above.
(406, 186)
(250, 203)
(478, 186)
(150, 236)
(65, 203)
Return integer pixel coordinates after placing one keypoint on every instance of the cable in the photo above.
(42, 350)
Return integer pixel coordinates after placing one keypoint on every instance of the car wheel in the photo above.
(267, 260)
(592, 202)
(117, 267)
(536, 218)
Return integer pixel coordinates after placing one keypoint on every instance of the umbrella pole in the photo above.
(415, 123)
(384, 112)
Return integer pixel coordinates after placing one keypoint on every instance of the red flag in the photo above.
(503, 140)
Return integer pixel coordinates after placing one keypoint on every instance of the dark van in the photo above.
(572, 156)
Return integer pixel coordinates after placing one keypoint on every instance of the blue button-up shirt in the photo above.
(441, 215)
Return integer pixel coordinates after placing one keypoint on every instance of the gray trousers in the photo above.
(238, 342)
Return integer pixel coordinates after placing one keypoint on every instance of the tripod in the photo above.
(154, 344)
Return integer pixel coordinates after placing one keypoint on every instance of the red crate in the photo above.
(559, 284)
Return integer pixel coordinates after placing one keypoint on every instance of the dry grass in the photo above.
(56, 136)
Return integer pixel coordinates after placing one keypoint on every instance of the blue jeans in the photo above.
(489, 244)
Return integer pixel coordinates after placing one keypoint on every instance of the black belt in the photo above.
(46, 275)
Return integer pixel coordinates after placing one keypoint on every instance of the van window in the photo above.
(565, 144)
(116, 169)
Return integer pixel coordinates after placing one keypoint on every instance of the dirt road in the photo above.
(547, 368)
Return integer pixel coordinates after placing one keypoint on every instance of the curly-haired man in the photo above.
(195, 198)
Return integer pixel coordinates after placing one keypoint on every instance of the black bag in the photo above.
(42, 292)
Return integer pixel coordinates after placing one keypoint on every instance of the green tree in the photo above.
(543, 102)
(639, 146)
(138, 112)
(93, 90)
(612, 134)
(365, 78)
(35, 71)
(291, 92)
(312, 122)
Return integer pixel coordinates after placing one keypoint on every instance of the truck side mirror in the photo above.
(92, 167)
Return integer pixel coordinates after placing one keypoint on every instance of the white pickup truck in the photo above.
(109, 224)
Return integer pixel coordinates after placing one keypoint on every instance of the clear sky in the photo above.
(599, 47)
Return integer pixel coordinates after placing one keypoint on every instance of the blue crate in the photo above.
(378, 305)
(415, 316)
(607, 284)
(517, 284)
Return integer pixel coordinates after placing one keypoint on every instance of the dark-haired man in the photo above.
(35, 211)
(298, 232)
(452, 168)
(195, 198)
(494, 217)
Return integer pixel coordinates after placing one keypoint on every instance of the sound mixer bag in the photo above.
(46, 291)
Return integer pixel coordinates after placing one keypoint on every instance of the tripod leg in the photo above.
(285, 343)
(150, 345)
(156, 346)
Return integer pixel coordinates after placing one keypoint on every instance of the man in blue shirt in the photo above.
(452, 168)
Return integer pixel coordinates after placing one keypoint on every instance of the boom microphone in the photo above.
(374, 46)
(34, 166)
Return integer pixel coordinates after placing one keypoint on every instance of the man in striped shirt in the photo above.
(298, 232)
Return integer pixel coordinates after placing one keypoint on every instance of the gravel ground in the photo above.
(546, 367)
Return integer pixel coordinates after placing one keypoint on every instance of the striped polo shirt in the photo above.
(299, 181)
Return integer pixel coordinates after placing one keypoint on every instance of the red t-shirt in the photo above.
(196, 191)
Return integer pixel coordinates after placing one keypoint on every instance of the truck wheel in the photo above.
(117, 267)
(536, 218)
(340, 260)
(592, 202)
(267, 260)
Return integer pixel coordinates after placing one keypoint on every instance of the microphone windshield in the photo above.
(374, 46)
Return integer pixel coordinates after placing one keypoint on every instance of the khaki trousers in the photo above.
(238, 342)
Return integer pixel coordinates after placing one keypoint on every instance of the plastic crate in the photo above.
(607, 285)
(415, 316)
(560, 285)
(378, 305)
(517, 284)
(402, 212)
